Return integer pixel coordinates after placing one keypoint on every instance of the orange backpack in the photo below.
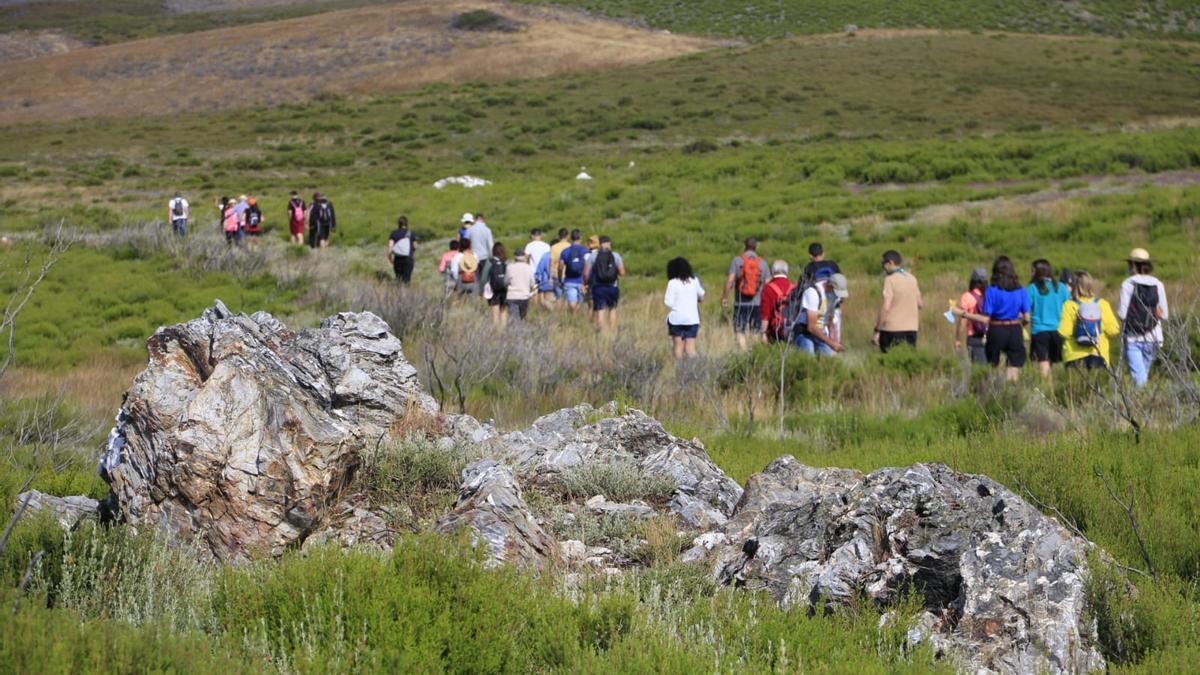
(751, 275)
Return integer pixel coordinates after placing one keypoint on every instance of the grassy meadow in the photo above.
(950, 147)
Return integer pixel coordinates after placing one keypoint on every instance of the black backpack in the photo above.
(321, 215)
(793, 310)
(606, 267)
(177, 209)
(498, 277)
(1142, 317)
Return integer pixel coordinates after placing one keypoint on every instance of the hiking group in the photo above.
(548, 275)
(243, 217)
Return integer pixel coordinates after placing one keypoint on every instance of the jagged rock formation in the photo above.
(244, 435)
(490, 504)
(565, 440)
(68, 511)
(241, 432)
(1003, 584)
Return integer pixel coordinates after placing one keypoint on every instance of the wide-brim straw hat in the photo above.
(1139, 255)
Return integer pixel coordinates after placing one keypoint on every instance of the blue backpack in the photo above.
(574, 263)
(541, 276)
(1087, 323)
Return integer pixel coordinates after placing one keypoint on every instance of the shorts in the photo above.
(1006, 340)
(976, 349)
(605, 297)
(498, 299)
(573, 292)
(1046, 346)
(685, 332)
(323, 233)
(806, 343)
(1091, 362)
(889, 338)
(747, 318)
(296, 228)
(231, 236)
(518, 309)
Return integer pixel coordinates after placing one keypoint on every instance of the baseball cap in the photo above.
(979, 274)
(1139, 255)
(840, 288)
(468, 218)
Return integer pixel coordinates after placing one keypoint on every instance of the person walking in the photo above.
(1005, 310)
(815, 329)
(572, 265)
(748, 272)
(482, 244)
(900, 312)
(466, 268)
(464, 227)
(817, 262)
(521, 286)
(1087, 327)
(683, 297)
(495, 287)
(971, 302)
(603, 273)
(229, 221)
(401, 248)
(1046, 299)
(1142, 310)
(774, 296)
(178, 213)
(296, 211)
(254, 219)
(447, 267)
(536, 249)
(556, 249)
(322, 221)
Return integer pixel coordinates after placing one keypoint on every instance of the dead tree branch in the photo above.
(1133, 521)
(60, 242)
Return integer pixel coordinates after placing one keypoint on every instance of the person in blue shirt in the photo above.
(572, 265)
(1046, 299)
(1005, 311)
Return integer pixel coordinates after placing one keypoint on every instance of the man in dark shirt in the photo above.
(817, 262)
(401, 247)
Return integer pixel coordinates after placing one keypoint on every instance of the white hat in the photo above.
(839, 285)
(1140, 255)
(468, 218)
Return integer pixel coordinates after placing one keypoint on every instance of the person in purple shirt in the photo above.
(1006, 312)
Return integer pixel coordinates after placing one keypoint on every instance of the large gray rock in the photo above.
(572, 438)
(68, 511)
(491, 506)
(240, 433)
(1003, 584)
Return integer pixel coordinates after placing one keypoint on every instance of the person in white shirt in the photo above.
(178, 213)
(536, 248)
(683, 297)
(1142, 310)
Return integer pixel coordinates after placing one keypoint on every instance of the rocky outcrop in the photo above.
(491, 506)
(240, 433)
(68, 511)
(569, 439)
(1003, 584)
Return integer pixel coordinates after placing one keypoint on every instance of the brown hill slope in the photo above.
(386, 48)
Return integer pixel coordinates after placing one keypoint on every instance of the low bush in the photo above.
(619, 481)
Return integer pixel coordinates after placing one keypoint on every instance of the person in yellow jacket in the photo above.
(1087, 326)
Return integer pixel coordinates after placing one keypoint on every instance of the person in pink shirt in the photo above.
(446, 267)
(972, 302)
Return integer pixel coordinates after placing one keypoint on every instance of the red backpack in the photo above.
(751, 275)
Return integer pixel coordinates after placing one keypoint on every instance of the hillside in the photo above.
(375, 49)
(782, 18)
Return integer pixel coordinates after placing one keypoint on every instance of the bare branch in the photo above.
(59, 245)
(1129, 512)
(33, 563)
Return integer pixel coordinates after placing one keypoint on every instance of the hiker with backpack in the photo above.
(900, 311)
(1087, 326)
(401, 248)
(229, 221)
(774, 298)
(748, 273)
(521, 286)
(296, 210)
(1046, 299)
(464, 227)
(1142, 310)
(1006, 310)
(572, 265)
(482, 244)
(447, 268)
(817, 262)
(604, 269)
(466, 268)
(556, 249)
(178, 212)
(817, 325)
(971, 302)
(253, 218)
(683, 297)
(495, 289)
(322, 221)
(545, 282)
